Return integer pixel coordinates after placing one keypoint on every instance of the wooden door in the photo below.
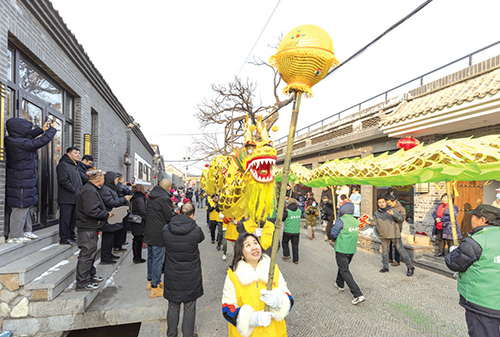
(470, 196)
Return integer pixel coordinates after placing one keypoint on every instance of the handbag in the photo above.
(134, 218)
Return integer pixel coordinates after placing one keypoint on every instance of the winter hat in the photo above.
(185, 200)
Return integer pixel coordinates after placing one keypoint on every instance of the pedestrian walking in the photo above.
(442, 225)
(69, 183)
(138, 206)
(91, 215)
(21, 147)
(245, 293)
(477, 261)
(312, 213)
(345, 235)
(386, 219)
(183, 278)
(291, 230)
(213, 211)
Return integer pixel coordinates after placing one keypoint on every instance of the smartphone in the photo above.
(49, 119)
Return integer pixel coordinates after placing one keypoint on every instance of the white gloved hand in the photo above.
(270, 298)
(258, 232)
(261, 318)
(452, 248)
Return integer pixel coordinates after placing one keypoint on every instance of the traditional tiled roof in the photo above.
(468, 90)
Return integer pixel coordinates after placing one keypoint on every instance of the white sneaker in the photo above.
(224, 257)
(30, 235)
(336, 286)
(358, 300)
(18, 240)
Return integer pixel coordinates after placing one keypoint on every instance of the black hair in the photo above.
(72, 148)
(119, 175)
(88, 157)
(355, 188)
(238, 249)
(343, 197)
(452, 198)
(383, 196)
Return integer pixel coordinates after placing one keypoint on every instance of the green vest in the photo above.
(479, 283)
(347, 241)
(292, 222)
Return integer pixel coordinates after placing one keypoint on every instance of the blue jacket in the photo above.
(21, 146)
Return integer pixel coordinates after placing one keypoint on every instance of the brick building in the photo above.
(462, 104)
(45, 72)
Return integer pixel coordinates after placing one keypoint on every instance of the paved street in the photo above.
(423, 305)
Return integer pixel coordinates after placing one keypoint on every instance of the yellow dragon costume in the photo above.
(244, 181)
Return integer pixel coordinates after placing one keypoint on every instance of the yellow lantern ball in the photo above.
(304, 57)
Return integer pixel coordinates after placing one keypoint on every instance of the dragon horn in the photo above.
(247, 132)
(262, 129)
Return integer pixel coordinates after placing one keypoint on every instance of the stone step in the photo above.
(10, 252)
(72, 302)
(55, 280)
(33, 265)
(434, 264)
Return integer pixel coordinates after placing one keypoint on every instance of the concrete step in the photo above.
(33, 265)
(434, 264)
(71, 302)
(10, 252)
(55, 280)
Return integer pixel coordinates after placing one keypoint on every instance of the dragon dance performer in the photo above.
(245, 294)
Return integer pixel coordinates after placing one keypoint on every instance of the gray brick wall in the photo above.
(20, 27)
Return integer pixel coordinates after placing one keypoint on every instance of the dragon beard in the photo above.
(260, 200)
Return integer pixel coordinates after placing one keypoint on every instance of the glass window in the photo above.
(140, 171)
(10, 57)
(69, 106)
(68, 135)
(39, 86)
(9, 103)
(32, 113)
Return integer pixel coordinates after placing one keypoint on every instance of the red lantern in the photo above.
(407, 143)
(206, 165)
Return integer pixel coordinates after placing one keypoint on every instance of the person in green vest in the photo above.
(291, 230)
(477, 261)
(345, 235)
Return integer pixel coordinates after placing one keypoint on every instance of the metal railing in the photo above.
(407, 86)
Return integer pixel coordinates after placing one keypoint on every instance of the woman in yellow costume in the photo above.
(245, 293)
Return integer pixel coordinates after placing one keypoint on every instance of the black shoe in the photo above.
(108, 262)
(213, 241)
(219, 247)
(97, 279)
(66, 242)
(439, 254)
(384, 270)
(410, 271)
(114, 256)
(119, 249)
(139, 261)
(88, 287)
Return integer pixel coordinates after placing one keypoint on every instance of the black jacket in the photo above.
(327, 206)
(111, 200)
(21, 146)
(138, 206)
(69, 181)
(160, 211)
(123, 190)
(460, 259)
(183, 279)
(82, 169)
(91, 213)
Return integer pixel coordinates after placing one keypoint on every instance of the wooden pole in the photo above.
(282, 195)
(452, 213)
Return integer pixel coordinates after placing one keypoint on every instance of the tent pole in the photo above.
(452, 213)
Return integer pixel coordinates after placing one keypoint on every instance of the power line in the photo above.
(258, 38)
(359, 52)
